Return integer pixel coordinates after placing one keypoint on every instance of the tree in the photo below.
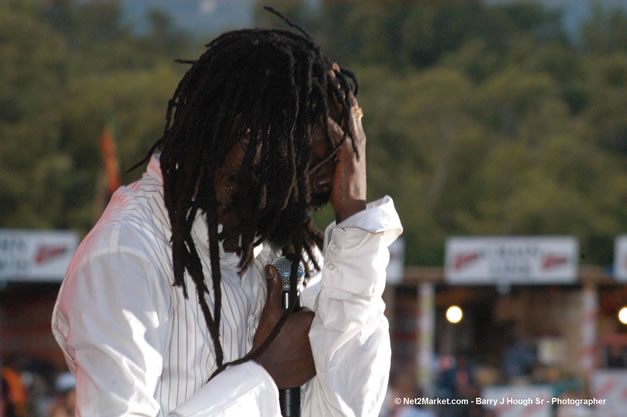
(480, 119)
(59, 86)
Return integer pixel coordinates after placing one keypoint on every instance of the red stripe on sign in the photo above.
(46, 253)
(463, 259)
(605, 389)
(590, 315)
(551, 261)
(589, 350)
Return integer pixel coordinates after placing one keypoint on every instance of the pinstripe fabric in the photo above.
(188, 358)
(139, 348)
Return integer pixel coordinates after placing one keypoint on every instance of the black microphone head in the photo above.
(284, 266)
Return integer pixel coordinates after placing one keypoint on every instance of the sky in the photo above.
(213, 16)
(196, 16)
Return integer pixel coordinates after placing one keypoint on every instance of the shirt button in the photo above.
(333, 246)
(331, 267)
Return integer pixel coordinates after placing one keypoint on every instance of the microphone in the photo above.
(284, 266)
(289, 398)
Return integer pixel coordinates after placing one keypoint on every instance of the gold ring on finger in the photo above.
(358, 113)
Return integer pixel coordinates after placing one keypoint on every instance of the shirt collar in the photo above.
(154, 168)
(199, 228)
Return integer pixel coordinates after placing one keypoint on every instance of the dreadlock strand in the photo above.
(353, 78)
(289, 22)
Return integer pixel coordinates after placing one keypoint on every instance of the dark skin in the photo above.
(288, 359)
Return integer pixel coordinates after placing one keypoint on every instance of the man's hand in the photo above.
(348, 195)
(288, 359)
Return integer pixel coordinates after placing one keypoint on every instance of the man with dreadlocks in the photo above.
(169, 306)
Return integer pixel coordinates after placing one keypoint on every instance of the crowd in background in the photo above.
(462, 376)
(33, 388)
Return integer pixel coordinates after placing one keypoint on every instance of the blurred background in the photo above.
(498, 127)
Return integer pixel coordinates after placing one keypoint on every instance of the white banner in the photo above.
(511, 260)
(611, 386)
(620, 258)
(27, 255)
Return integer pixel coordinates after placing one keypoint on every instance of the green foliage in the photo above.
(64, 68)
(480, 119)
(487, 120)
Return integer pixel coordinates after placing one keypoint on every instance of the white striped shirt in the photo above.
(139, 348)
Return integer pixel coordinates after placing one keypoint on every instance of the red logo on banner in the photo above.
(464, 259)
(551, 261)
(46, 253)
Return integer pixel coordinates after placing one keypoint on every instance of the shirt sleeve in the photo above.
(349, 335)
(240, 390)
(108, 320)
(111, 321)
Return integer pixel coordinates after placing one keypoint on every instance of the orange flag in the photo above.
(110, 157)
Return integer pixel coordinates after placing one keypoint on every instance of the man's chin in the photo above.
(319, 200)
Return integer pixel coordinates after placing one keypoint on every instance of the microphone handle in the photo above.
(289, 398)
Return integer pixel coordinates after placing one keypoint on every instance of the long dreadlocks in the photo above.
(273, 86)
